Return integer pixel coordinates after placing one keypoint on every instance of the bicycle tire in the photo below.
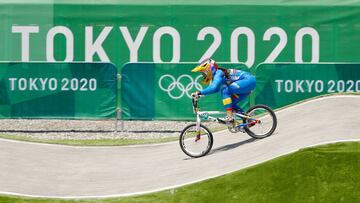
(249, 130)
(183, 138)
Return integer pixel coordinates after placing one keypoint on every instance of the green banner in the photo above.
(157, 31)
(162, 91)
(285, 83)
(57, 90)
(246, 31)
(249, 31)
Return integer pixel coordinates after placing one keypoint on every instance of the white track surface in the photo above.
(42, 170)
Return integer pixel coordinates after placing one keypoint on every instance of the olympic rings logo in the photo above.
(175, 84)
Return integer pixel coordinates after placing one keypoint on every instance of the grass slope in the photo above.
(329, 173)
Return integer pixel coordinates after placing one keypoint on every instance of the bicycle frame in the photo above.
(206, 115)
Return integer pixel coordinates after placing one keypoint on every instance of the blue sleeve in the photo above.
(215, 85)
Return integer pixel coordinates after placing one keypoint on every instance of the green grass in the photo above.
(329, 173)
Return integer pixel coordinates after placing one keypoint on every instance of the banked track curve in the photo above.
(44, 170)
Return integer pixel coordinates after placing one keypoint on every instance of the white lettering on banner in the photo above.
(43, 83)
(12, 83)
(32, 84)
(25, 39)
(298, 86)
(52, 84)
(69, 43)
(133, 45)
(95, 46)
(318, 86)
(176, 43)
(288, 86)
(309, 84)
(281, 45)
(278, 85)
(22, 84)
(299, 44)
(357, 86)
(92, 47)
(216, 43)
(250, 45)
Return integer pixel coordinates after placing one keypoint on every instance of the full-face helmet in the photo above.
(207, 68)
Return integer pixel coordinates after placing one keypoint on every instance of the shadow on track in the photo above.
(232, 146)
(227, 147)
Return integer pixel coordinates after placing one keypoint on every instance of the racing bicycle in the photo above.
(196, 140)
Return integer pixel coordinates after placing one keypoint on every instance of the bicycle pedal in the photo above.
(241, 129)
(232, 129)
(236, 129)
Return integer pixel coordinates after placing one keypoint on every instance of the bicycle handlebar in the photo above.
(195, 99)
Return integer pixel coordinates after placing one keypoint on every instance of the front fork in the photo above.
(198, 129)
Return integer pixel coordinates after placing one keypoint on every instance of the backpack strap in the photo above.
(226, 72)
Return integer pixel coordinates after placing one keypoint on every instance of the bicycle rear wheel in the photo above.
(196, 144)
(262, 121)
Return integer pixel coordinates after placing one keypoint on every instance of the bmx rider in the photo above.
(234, 85)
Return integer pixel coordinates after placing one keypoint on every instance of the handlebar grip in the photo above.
(195, 100)
(196, 96)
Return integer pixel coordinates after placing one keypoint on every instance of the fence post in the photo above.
(118, 109)
(117, 118)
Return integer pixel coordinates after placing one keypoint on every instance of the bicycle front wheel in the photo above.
(262, 121)
(196, 143)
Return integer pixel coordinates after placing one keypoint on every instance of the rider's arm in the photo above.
(215, 85)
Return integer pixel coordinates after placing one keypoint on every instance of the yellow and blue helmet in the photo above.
(207, 68)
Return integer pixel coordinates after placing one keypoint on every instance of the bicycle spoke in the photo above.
(265, 122)
(195, 144)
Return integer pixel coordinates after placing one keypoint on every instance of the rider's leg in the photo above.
(236, 98)
(240, 90)
(227, 101)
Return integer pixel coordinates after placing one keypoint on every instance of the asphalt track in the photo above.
(43, 170)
